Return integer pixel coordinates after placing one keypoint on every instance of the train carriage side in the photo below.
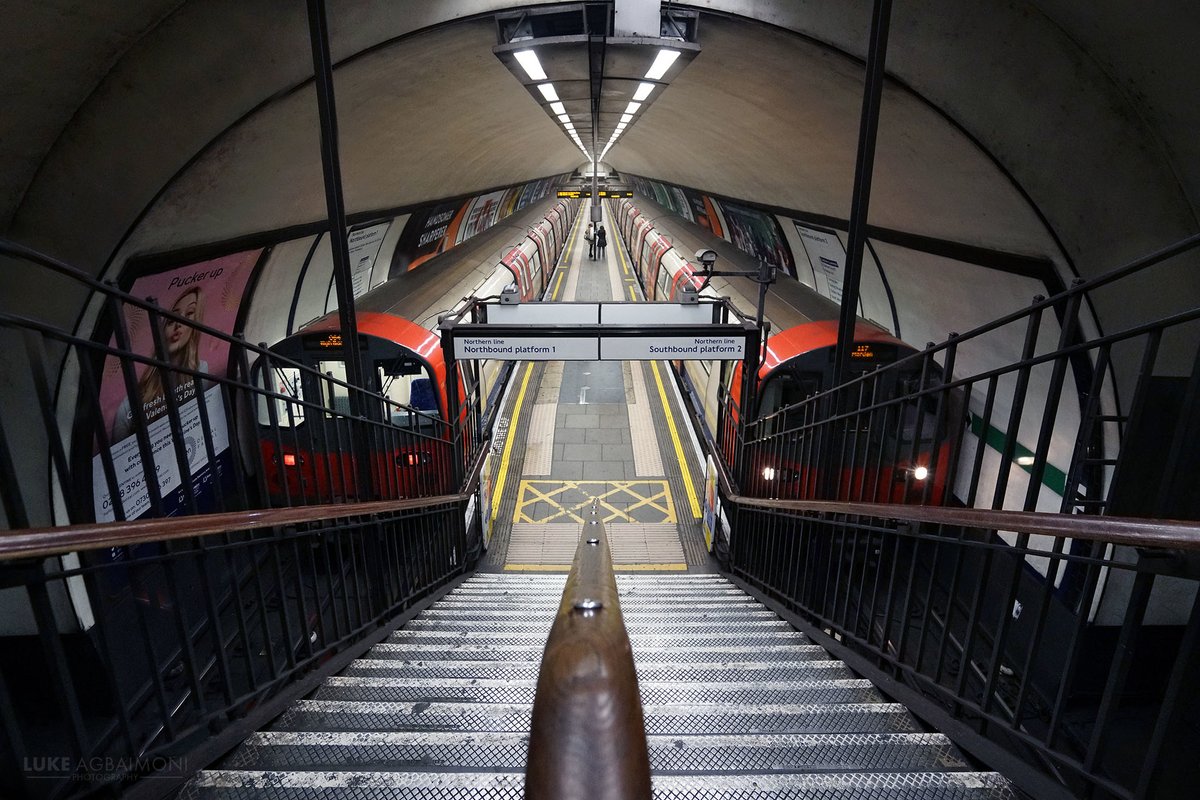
(305, 442)
(797, 364)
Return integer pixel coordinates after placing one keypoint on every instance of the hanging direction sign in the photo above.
(611, 331)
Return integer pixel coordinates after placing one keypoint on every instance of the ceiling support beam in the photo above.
(864, 168)
(318, 29)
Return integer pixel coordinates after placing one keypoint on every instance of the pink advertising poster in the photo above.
(210, 293)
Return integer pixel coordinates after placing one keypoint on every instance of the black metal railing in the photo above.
(965, 422)
(190, 540)
(151, 642)
(992, 620)
(135, 424)
(984, 533)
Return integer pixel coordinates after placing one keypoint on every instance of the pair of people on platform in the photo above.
(597, 241)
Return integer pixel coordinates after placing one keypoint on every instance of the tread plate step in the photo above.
(878, 752)
(337, 715)
(235, 785)
(396, 690)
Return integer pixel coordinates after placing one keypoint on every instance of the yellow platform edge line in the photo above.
(693, 500)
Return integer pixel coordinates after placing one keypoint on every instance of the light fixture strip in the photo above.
(548, 92)
(533, 68)
(662, 63)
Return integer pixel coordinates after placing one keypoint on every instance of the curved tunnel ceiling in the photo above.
(764, 114)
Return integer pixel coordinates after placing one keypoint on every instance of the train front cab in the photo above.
(899, 453)
(310, 441)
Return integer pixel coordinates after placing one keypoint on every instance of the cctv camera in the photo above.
(706, 257)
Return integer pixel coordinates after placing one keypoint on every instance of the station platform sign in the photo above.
(613, 331)
(577, 194)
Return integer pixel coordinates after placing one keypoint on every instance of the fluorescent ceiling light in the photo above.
(558, 108)
(661, 64)
(626, 118)
(643, 91)
(533, 68)
(622, 125)
(632, 108)
(564, 119)
(547, 90)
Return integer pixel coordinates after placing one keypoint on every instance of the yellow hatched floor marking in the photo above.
(565, 498)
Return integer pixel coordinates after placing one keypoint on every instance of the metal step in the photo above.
(469, 616)
(274, 785)
(737, 704)
(878, 752)
(641, 654)
(640, 639)
(629, 605)
(633, 626)
(338, 715)
(476, 690)
(719, 672)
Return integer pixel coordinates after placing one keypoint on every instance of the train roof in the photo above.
(437, 285)
(788, 304)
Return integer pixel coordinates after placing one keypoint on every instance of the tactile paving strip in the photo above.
(647, 457)
(539, 446)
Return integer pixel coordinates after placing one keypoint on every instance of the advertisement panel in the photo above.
(431, 231)
(423, 237)
(210, 293)
(482, 213)
(757, 234)
(828, 259)
(364, 250)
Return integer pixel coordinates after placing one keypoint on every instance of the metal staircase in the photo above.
(737, 705)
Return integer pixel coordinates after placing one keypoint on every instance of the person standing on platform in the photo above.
(590, 235)
(601, 241)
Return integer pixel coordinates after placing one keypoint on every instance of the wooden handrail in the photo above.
(1132, 531)
(42, 542)
(588, 736)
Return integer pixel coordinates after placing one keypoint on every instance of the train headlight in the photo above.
(768, 473)
(920, 473)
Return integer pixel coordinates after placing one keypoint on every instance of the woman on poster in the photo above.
(183, 352)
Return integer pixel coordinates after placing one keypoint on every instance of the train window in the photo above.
(783, 391)
(664, 288)
(406, 384)
(334, 395)
(285, 381)
(918, 414)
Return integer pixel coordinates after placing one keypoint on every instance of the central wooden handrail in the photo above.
(588, 736)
